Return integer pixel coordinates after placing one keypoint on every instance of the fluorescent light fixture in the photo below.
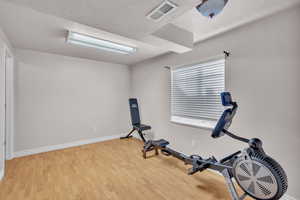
(90, 41)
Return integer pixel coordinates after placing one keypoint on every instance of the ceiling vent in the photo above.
(162, 10)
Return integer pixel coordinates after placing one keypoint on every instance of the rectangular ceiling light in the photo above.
(90, 41)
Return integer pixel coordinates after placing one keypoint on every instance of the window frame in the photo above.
(207, 124)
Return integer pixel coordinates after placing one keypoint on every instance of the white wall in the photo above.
(263, 75)
(64, 99)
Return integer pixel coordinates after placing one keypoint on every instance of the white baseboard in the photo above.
(287, 197)
(9, 156)
(1, 174)
(62, 146)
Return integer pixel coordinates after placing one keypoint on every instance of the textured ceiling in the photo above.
(42, 25)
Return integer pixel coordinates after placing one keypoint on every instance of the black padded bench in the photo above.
(135, 120)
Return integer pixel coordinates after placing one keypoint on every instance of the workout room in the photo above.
(149, 99)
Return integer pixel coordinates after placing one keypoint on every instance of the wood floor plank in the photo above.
(111, 170)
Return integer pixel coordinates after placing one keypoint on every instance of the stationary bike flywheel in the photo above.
(260, 176)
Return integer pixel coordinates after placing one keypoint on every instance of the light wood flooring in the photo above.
(111, 170)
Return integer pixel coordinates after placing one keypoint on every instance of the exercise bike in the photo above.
(258, 175)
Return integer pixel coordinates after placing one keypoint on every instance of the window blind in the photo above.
(195, 90)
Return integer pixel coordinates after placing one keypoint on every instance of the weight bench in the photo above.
(136, 121)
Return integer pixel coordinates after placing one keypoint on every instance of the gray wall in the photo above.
(263, 75)
(63, 99)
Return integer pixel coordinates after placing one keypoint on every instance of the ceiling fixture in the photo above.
(162, 10)
(211, 8)
(90, 41)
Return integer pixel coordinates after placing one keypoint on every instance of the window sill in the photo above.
(199, 123)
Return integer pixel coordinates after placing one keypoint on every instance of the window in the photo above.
(195, 93)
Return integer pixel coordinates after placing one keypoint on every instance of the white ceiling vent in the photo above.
(162, 10)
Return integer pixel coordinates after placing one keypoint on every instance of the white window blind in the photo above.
(195, 93)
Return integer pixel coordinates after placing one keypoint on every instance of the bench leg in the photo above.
(144, 154)
(142, 136)
(129, 135)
